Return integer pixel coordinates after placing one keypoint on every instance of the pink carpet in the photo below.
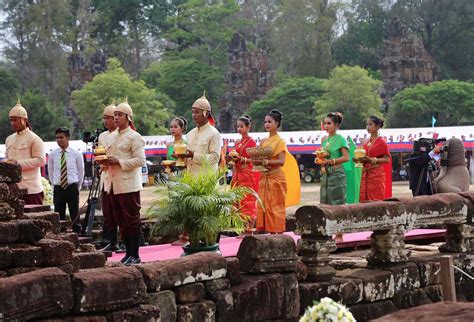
(230, 245)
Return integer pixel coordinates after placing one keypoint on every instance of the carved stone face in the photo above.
(456, 152)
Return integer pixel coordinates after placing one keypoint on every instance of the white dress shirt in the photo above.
(75, 167)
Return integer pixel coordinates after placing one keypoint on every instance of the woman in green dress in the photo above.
(177, 128)
(333, 179)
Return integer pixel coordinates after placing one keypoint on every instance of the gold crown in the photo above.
(125, 108)
(18, 111)
(202, 103)
(110, 109)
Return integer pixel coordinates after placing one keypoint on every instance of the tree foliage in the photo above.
(294, 97)
(451, 102)
(351, 91)
(44, 116)
(115, 84)
(302, 35)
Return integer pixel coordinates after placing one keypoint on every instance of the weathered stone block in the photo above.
(406, 277)
(170, 273)
(291, 297)
(166, 302)
(41, 293)
(70, 237)
(378, 284)
(326, 220)
(267, 253)
(190, 293)
(197, 312)
(90, 260)
(107, 289)
(233, 270)
(301, 271)
(9, 232)
(55, 252)
(406, 300)
(37, 209)
(142, 313)
(257, 298)
(5, 257)
(10, 172)
(92, 318)
(219, 284)
(380, 308)
(428, 268)
(26, 255)
(344, 290)
(6, 212)
(49, 216)
(21, 270)
(30, 230)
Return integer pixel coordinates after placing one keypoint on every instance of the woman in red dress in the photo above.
(374, 183)
(243, 175)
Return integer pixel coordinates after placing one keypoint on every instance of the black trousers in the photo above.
(69, 197)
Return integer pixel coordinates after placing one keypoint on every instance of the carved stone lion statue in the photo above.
(454, 176)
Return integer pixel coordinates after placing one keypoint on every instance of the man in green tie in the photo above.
(66, 173)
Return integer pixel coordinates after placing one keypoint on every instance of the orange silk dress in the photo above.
(373, 182)
(272, 192)
(244, 176)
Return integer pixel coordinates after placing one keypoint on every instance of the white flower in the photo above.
(327, 310)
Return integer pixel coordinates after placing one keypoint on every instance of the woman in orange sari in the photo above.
(272, 184)
(243, 174)
(373, 183)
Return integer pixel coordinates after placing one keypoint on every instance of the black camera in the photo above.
(425, 145)
(443, 148)
(92, 137)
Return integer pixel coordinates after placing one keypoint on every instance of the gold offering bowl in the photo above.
(359, 153)
(321, 155)
(168, 164)
(260, 153)
(234, 155)
(99, 153)
(180, 148)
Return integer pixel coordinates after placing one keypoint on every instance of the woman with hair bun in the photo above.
(272, 185)
(243, 174)
(178, 126)
(374, 182)
(333, 179)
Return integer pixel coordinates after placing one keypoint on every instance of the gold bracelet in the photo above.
(333, 162)
(374, 160)
(265, 162)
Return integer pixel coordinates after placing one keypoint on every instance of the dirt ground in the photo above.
(309, 194)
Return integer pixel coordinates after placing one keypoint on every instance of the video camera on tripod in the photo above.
(423, 167)
(92, 136)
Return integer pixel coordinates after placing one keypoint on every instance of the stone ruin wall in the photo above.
(405, 62)
(248, 79)
(47, 276)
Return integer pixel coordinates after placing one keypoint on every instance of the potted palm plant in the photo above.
(196, 204)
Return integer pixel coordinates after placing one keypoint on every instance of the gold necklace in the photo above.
(372, 141)
(329, 141)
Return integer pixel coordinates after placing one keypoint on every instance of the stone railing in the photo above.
(389, 220)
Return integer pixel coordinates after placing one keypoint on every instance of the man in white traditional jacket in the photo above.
(125, 150)
(27, 149)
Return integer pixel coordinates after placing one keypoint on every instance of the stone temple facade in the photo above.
(248, 79)
(406, 61)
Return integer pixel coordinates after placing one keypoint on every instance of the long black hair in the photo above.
(336, 117)
(377, 120)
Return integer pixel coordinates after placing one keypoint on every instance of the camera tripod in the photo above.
(92, 201)
(430, 176)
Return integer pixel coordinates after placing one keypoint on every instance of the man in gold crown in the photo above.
(110, 225)
(204, 141)
(125, 150)
(26, 148)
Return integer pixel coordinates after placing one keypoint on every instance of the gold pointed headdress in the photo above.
(110, 109)
(202, 103)
(125, 108)
(18, 111)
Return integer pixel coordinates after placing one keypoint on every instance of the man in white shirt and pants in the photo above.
(66, 173)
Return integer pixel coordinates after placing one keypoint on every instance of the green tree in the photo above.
(294, 97)
(302, 35)
(43, 115)
(362, 42)
(451, 102)
(351, 91)
(182, 79)
(149, 112)
(9, 87)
